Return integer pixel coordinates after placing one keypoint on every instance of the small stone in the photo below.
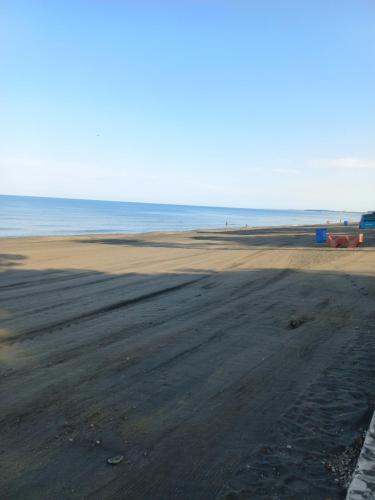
(289, 446)
(115, 460)
(97, 441)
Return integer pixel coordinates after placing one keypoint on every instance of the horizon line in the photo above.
(183, 204)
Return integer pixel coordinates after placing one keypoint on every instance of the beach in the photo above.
(215, 364)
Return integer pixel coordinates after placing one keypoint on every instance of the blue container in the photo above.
(367, 221)
(346, 223)
(321, 235)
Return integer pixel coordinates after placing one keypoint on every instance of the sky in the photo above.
(256, 103)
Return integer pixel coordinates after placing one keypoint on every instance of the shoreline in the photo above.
(179, 231)
(215, 362)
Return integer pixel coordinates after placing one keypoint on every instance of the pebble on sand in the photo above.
(115, 460)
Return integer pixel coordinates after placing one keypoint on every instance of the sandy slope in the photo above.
(215, 362)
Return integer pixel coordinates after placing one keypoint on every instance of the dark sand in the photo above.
(219, 364)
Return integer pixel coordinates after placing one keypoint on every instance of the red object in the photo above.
(345, 240)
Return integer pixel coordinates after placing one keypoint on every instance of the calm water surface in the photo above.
(30, 216)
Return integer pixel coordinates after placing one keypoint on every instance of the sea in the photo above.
(36, 216)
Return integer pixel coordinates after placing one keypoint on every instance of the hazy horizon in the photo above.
(307, 209)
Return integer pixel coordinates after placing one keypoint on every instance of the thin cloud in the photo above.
(343, 163)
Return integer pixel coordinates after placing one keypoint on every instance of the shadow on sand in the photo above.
(277, 238)
(209, 384)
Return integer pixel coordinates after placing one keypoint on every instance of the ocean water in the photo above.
(30, 216)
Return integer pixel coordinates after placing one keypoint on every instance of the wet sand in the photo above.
(218, 364)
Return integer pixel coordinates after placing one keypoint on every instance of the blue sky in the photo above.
(265, 104)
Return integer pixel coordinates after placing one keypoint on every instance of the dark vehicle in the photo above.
(367, 221)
